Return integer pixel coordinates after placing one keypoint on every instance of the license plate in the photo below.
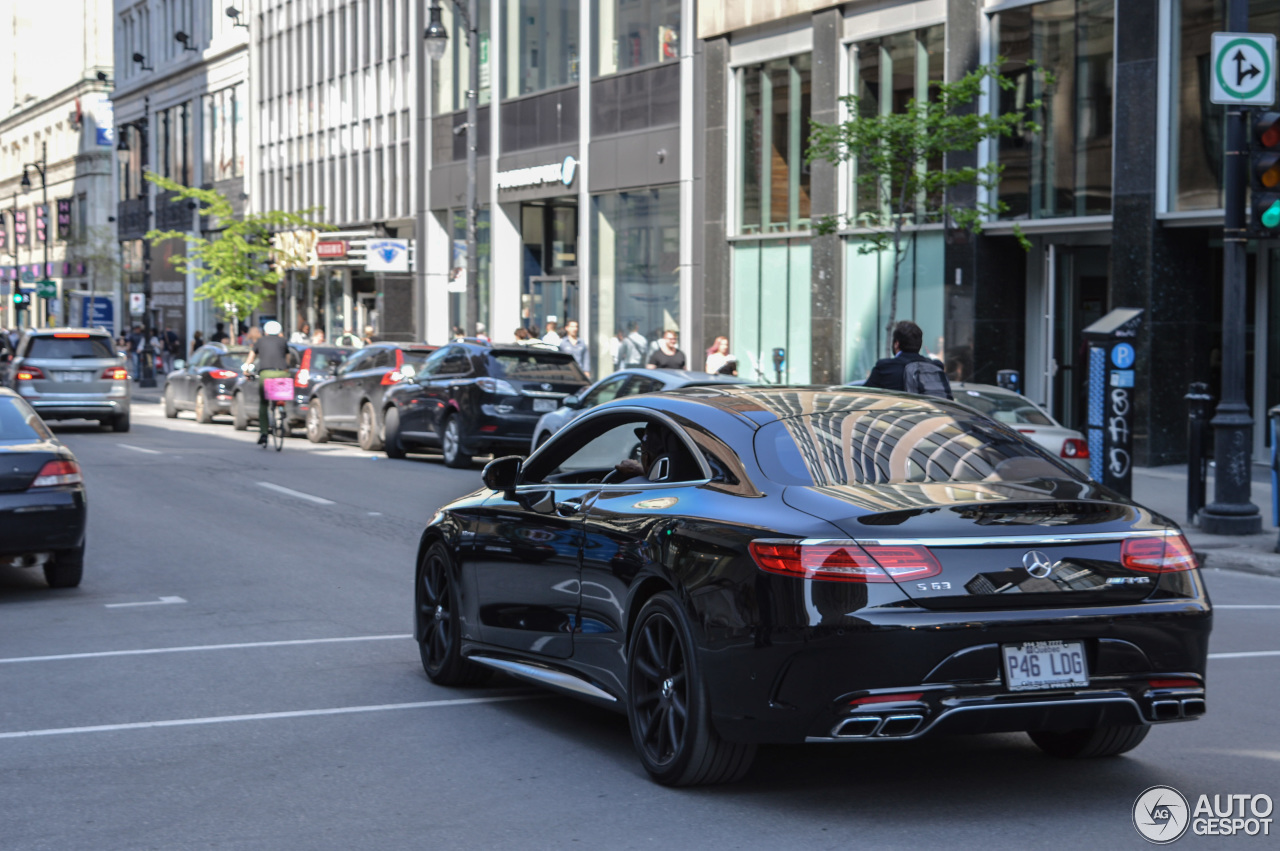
(72, 376)
(541, 406)
(1045, 664)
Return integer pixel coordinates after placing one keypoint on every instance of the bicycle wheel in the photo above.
(279, 425)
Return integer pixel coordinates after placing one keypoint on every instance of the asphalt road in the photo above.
(236, 671)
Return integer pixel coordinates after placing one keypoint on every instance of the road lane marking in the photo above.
(318, 500)
(163, 601)
(1245, 655)
(1245, 607)
(268, 716)
(199, 647)
(139, 449)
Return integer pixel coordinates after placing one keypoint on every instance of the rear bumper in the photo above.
(493, 431)
(45, 520)
(51, 408)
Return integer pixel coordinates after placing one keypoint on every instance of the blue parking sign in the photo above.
(1123, 355)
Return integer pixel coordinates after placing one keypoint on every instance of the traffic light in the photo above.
(1264, 161)
(21, 299)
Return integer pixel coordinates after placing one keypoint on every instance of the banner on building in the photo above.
(104, 119)
(387, 255)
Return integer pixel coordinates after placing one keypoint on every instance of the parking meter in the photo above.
(1112, 366)
(1009, 379)
(779, 361)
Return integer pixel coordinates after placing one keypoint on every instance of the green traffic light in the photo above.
(1271, 215)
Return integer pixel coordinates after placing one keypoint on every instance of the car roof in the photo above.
(53, 332)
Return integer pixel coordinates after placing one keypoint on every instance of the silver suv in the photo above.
(72, 373)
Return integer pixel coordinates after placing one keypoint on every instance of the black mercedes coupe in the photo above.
(732, 566)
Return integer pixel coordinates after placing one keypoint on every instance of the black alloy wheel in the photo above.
(451, 445)
(170, 408)
(437, 628)
(1091, 742)
(316, 432)
(667, 706)
(391, 434)
(203, 414)
(367, 433)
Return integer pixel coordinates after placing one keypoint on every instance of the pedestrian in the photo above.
(197, 340)
(481, 335)
(254, 335)
(552, 337)
(135, 350)
(898, 372)
(348, 338)
(522, 336)
(172, 347)
(575, 346)
(317, 339)
(719, 361)
(458, 334)
(638, 347)
(369, 339)
(220, 334)
(302, 336)
(667, 355)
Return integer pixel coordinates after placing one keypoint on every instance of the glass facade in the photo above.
(774, 121)
(451, 71)
(226, 133)
(540, 45)
(772, 308)
(1065, 169)
(174, 144)
(1199, 127)
(458, 265)
(635, 265)
(634, 33)
(129, 173)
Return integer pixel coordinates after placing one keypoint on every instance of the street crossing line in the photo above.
(1246, 607)
(139, 449)
(163, 601)
(318, 500)
(198, 647)
(268, 716)
(1245, 655)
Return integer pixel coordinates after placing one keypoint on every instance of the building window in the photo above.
(1065, 169)
(1195, 148)
(635, 262)
(539, 45)
(887, 73)
(130, 171)
(458, 268)
(774, 121)
(451, 71)
(226, 134)
(634, 33)
(175, 143)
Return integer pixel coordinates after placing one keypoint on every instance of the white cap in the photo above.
(553, 318)
(271, 328)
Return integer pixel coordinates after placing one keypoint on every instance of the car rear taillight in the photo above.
(887, 698)
(30, 373)
(221, 374)
(1157, 554)
(302, 377)
(497, 386)
(1074, 447)
(115, 373)
(845, 561)
(58, 473)
(1178, 682)
(71, 336)
(395, 376)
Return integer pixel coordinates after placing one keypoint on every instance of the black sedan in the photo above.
(473, 398)
(351, 400)
(310, 365)
(815, 565)
(205, 385)
(42, 500)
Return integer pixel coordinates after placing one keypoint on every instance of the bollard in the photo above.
(1199, 406)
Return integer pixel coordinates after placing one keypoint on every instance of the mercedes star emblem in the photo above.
(1037, 564)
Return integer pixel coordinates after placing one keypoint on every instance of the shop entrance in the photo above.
(1072, 295)
(549, 233)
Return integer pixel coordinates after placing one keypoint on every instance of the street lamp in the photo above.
(437, 37)
(146, 366)
(234, 14)
(41, 168)
(185, 40)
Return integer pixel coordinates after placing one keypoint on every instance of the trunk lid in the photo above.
(21, 462)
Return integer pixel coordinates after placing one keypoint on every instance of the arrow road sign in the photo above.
(1243, 69)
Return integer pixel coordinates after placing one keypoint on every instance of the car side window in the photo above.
(202, 358)
(456, 362)
(434, 363)
(641, 384)
(587, 454)
(385, 359)
(355, 362)
(606, 391)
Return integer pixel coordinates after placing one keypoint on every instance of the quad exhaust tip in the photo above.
(875, 726)
(1171, 710)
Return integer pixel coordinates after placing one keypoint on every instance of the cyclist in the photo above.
(271, 357)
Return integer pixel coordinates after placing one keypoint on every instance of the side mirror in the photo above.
(571, 402)
(501, 474)
(179, 364)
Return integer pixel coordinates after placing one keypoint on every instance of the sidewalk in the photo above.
(154, 395)
(1164, 489)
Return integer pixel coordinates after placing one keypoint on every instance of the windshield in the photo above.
(70, 347)
(1004, 407)
(322, 359)
(891, 442)
(536, 366)
(232, 360)
(19, 423)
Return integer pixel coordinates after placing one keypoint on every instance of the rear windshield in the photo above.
(896, 443)
(232, 360)
(20, 424)
(322, 359)
(1004, 408)
(536, 366)
(417, 357)
(67, 348)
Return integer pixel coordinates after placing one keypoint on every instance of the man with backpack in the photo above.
(908, 370)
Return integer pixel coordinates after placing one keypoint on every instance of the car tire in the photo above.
(451, 445)
(391, 434)
(667, 703)
(170, 408)
(239, 416)
(1090, 742)
(437, 622)
(203, 414)
(66, 568)
(367, 429)
(316, 432)
(120, 423)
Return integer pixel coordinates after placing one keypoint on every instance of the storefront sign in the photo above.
(137, 303)
(387, 255)
(331, 250)
(42, 223)
(64, 219)
(537, 175)
(20, 235)
(295, 249)
(96, 311)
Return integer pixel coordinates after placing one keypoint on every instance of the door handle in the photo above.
(568, 509)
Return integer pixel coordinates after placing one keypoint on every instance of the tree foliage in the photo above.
(235, 264)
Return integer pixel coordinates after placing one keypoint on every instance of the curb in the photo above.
(1243, 560)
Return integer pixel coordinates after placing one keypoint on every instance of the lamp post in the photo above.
(146, 366)
(41, 167)
(437, 38)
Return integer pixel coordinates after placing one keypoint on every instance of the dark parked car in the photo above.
(72, 373)
(815, 565)
(314, 364)
(624, 382)
(473, 398)
(351, 400)
(42, 500)
(206, 383)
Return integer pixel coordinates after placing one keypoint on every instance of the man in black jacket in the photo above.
(890, 373)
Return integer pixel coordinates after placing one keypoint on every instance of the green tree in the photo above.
(237, 265)
(901, 167)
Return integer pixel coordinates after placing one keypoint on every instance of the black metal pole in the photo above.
(1232, 511)
(472, 311)
(44, 202)
(146, 366)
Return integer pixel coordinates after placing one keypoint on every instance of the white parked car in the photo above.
(1018, 411)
